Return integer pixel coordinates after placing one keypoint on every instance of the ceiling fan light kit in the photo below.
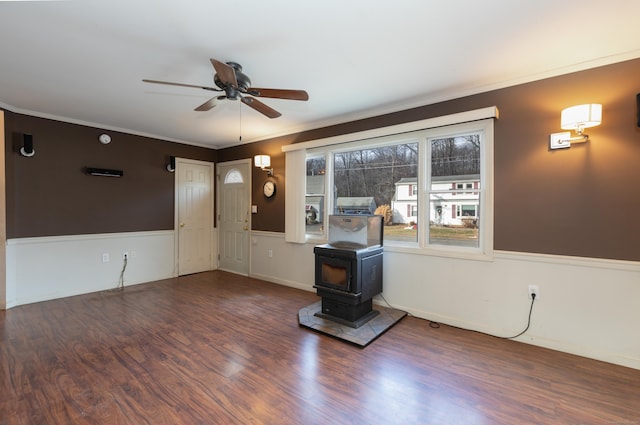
(235, 84)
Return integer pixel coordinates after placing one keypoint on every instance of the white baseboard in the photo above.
(591, 352)
(283, 282)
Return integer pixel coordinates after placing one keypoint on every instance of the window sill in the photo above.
(458, 253)
(449, 252)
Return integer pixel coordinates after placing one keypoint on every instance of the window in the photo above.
(233, 176)
(314, 195)
(432, 185)
(454, 162)
(466, 211)
(367, 179)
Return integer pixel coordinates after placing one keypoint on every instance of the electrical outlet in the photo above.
(105, 257)
(270, 253)
(125, 255)
(534, 289)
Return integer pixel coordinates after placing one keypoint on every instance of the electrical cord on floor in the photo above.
(533, 299)
(389, 305)
(121, 280)
(436, 325)
(385, 300)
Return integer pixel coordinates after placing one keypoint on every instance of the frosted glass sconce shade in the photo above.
(263, 162)
(580, 117)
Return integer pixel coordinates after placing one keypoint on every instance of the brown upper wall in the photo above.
(578, 202)
(50, 194)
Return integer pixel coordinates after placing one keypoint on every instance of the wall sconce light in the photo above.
(171, 165)
(27, 146)
(576, 118)
(638, 108)
(263, 161)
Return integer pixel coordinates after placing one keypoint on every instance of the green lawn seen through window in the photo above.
(405, 232)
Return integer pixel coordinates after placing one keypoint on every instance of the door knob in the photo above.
(246, 227)
(181, 224)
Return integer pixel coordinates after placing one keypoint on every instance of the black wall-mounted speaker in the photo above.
(104, 172)
(171, 166)
(27, 145)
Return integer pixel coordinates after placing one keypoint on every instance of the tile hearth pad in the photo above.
(361, 336)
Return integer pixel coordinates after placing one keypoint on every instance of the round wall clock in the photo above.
(269, 188)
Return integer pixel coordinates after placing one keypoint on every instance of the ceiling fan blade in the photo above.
(208, 105)
(181, 85)
(279, 93)
(261, 107)
(225, 72)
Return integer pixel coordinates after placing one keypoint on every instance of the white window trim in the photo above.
(453, 124)
(461, 117)
(294, 192)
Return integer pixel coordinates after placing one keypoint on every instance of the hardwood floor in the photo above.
(216, 348)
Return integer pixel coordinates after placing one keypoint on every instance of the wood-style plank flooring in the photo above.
(216, 348)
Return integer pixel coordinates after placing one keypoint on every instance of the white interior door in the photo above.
(233, 216)
(194, 218)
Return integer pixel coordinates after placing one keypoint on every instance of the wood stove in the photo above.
(348, 270)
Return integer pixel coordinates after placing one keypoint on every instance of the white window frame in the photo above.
(485, 207)
(477, 121)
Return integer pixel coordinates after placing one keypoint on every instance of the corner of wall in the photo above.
(3, 220)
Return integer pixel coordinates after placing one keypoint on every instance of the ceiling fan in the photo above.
(230, 79)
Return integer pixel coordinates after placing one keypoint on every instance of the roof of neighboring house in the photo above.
(360, 201)
(313, 199)
(407, 180)
(315, 184)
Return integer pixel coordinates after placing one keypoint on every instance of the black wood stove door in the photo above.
(333, 272)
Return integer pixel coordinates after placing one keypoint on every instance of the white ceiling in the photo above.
(83, 61)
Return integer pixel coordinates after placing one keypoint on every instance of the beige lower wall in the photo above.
(40, 269)
(586, 306)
